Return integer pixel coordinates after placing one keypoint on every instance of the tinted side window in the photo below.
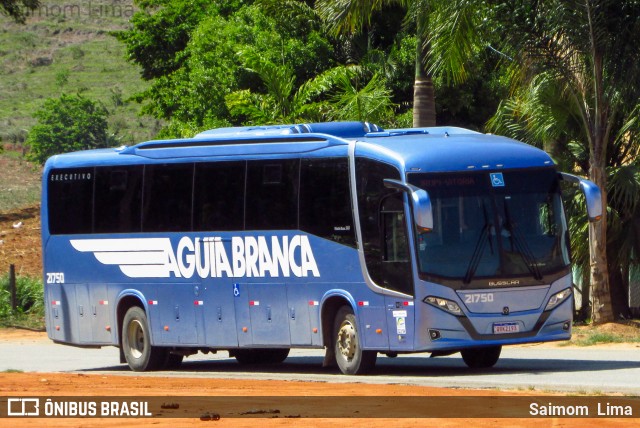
(325, 200)
(167, 198)
(219, 196)
(396, 264)
(118, 199)
(377, 218)
(70, 200)
(272, 195)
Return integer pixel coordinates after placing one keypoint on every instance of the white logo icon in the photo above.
(23, 407)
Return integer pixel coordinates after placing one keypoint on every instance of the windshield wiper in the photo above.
(521, 245)
(485, 235)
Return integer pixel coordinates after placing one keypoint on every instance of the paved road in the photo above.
(541, 367)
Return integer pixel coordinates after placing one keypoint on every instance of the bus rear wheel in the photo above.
(136, 342)
(350, 357)
(261, 356)
(481, 358)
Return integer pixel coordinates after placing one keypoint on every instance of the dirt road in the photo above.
(267, 403)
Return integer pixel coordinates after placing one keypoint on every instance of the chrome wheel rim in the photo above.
(347, 340)
(135, 334)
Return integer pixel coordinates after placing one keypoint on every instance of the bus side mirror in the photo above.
(591, 193)
(420, 202)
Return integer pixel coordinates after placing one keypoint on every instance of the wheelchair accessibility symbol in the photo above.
(497, 180)
(236, 290)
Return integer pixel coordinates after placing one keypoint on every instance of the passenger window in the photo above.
(272, 195)
(70, 200)
(167, 198)
(219, 196)
(325, 200)
(118, 199)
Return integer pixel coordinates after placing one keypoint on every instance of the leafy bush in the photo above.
(29, 302)
(66, 124)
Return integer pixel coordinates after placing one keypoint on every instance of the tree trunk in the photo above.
(424, 97)
(619, 283)
(601, 311)
(424, 103)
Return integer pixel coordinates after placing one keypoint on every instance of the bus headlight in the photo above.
(444, 304)
(558, 298)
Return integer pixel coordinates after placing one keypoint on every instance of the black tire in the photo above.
(136, 342)
(481, 358)
(350, 357)
(261, 356)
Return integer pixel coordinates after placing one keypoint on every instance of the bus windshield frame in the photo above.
(493, 229)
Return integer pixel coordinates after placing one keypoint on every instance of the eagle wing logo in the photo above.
(136, 257)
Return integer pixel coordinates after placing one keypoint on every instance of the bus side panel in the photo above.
(171, 313)
(243, 316)
(215, 315)
(315, 323)
(401, 323)
(298, 296)
(269, 314)
(84, 317)
(57, 316)
(372, 321)
(101, 314)
(68, 328)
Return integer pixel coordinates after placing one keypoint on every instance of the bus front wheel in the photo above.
(136, 342)
(481, 358)
(350, 357)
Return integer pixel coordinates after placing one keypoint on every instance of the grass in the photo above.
(29, 311)
(19, 182)
(598, 338)
(619, 332)
(70, 52)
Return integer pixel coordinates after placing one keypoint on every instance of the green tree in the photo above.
(351, 16)
(67, 124)
(190, 90)
(587, 53)
(18, 9)
(161, 31)
(341, 93)
(358, 98)
(437, 51)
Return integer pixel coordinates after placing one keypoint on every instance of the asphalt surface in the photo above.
(542, 368)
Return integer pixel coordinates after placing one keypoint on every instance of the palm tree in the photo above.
(340, 93)
(587, 50)
(447, 33)
(350, 16)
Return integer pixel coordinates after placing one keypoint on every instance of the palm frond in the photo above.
(453, 38)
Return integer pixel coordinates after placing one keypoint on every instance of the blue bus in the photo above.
(342, 235)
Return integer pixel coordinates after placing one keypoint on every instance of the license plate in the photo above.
(506, 327)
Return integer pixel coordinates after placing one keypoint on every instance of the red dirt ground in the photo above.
(97, 385)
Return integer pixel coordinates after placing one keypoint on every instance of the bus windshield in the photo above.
(492, 227)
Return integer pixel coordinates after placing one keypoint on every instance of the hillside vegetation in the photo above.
(67, 47)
